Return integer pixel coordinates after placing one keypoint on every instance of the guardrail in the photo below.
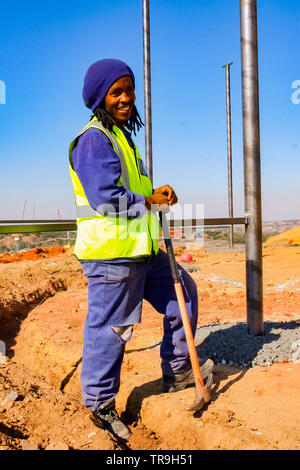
(32, 226)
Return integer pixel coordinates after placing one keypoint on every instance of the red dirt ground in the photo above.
(34, 254)
(42, 311)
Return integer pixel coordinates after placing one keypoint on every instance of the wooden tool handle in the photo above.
(188, 333)
(181, 300)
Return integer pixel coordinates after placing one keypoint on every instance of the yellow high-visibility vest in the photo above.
(111, 236)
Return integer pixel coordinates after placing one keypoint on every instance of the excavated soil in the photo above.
(43, 303)
(33, 255)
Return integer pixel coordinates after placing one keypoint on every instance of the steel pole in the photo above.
(24, 209)
(229, 150)
(147, 88)
(252, 172)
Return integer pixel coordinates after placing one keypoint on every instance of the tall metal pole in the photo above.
(229, 150)
(23, 210)
(147, 88)
(252, 174)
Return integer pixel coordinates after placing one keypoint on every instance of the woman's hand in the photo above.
(163, 197)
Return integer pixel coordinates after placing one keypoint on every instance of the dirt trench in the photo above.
(42, 311)
(41, 328)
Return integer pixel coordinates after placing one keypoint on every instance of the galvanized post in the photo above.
(147, 88)
(252, 173)
(229, 150)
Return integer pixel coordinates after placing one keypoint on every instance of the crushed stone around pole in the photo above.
(232, 345)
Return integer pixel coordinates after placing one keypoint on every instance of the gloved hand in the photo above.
(162, 197)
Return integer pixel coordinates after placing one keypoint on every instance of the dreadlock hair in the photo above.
(134, 124)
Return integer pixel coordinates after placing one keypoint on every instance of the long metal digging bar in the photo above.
(202, 392)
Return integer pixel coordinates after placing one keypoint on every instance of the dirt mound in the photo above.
(27, 284)
(34, 415)
(33, 254)
(178, 250)
(290, 237)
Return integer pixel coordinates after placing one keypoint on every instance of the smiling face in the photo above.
(119, 100)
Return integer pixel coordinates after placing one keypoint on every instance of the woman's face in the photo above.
(119, 100)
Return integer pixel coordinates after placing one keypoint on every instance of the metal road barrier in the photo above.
(32, 226)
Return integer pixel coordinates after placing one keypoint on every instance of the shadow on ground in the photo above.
(221, 343)
(152, 388)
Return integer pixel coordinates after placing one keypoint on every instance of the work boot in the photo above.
(185, 377)
(106, 417)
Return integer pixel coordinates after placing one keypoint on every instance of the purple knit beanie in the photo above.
(99, 78)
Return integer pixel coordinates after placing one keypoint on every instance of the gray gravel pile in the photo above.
(232, 345)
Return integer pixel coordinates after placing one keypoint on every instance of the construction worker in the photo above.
(117, 245)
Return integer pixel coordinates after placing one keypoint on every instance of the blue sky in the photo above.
(45, 49)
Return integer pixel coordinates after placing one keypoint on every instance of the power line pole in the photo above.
(252, 172)
(23, 210)
(229, 149)
(147, 88)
